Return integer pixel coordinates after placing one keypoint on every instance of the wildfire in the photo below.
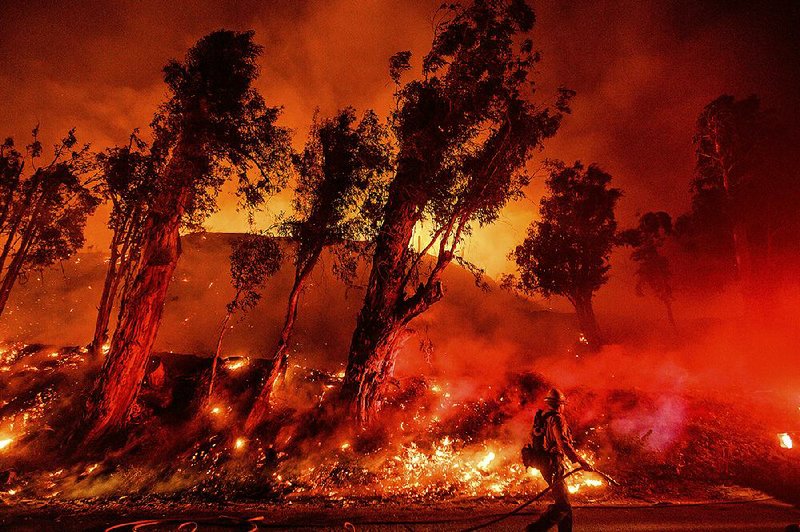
(785, 440)
(442, 468)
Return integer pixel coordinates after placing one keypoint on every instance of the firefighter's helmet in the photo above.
(555, 397)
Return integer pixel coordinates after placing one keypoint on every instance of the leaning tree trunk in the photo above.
(119, 266)
(29, 235)
(261, 406)
(215, 362)
(588, 322)
(373, 353)
(106, 300)
(379, 329)
(15, 267)
(124, 368)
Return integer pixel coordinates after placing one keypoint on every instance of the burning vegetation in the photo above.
(434, 442)
(380, 213)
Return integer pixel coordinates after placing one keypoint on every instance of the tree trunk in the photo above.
(106, 300)
(15, 267)
(28, 237)
(119, 266)
(588, 322)
(670, 315)
(222, 330)
(378, 328)
(140, 315)
(261, 406)
(744, 265)
(371, 362)
(15, 223)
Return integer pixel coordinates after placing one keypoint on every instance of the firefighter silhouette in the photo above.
(551, 443)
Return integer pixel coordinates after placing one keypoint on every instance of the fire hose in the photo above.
(536, 498)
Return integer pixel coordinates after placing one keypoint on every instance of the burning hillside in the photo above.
(433, 444)
(347, 349)
(59, 307)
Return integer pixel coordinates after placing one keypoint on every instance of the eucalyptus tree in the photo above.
(214, 126)
(464, 131)
(43, 217)
(340, 185)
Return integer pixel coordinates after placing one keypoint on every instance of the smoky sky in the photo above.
(642, 70)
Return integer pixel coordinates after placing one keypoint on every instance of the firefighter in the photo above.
(557, 442)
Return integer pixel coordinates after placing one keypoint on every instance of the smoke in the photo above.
(642, 72)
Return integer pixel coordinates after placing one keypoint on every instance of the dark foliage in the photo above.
(465, 130)
(567, 252)
(44, 211)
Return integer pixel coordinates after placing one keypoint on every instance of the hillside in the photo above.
(464, 327)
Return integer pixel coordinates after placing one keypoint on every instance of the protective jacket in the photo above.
(557, 437)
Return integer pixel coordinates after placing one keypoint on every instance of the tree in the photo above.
(128, 175)
(464, 132)
(653, 270)
(253, 260)
(727, 141)
(336, 203)
(45, 212)
(214, 125)
(567, 251)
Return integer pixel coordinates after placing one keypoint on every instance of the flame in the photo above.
(785, 440)
(587, 482)
(237, 363)
(240, 443)
(5, 442)
(483, 464)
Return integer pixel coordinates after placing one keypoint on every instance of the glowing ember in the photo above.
(237, 363)
(106, 348)
(216, 410)
(345, 446)
(240, 443)
(340, 375)
(785, 440)
(5, 442)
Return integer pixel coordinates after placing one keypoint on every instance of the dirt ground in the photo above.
(755, 515)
